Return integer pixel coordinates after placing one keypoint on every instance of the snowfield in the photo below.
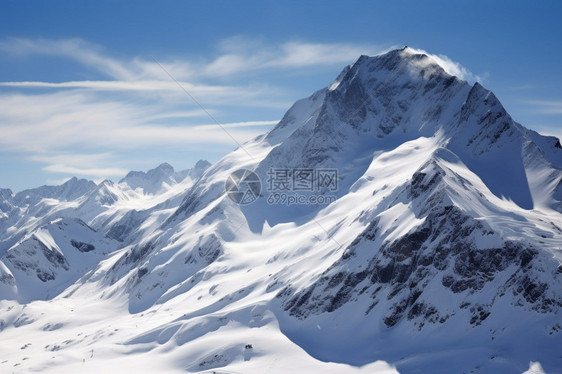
(442, 252)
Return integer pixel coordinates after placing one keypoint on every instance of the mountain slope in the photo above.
(44, 229)
(55, 256)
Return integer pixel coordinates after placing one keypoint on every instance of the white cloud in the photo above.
(66, 119)
(239, 55)
(234, 95)
(92, 56)
(99, 172)
(246, 124)
(75, 49)
(547, 107)
(78, 164)
(298, 54)
(78, 159)
(244, 55)
(178, 114)
(72, 133)
(78, 127)
(78, 109)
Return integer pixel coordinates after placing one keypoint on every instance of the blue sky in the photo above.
(81, 91)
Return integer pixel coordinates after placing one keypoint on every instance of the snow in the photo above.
(534, 368)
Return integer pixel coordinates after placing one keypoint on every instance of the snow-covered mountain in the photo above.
(162, 177)
(45, 242)
(404, 222)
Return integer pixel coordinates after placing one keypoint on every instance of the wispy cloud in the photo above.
(93, 56)
(243, 56)
(75, 49)
(246, 95)
(546, 106)
(64, 120)
(100, 172)
(236, 55)
(77, 127)
(82, 159)
(65, 131)
(78, 164)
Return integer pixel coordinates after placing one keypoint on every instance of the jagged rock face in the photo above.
(121, 230)
(455, 253)
(385, 92)
(6, 201)
(398, 97)
(34, 251)
(443, 247)
(52, 257)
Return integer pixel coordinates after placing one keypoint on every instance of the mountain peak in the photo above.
(162, 176)
(164, 167)
(202, 164)
(416, 62)
(69, 190)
